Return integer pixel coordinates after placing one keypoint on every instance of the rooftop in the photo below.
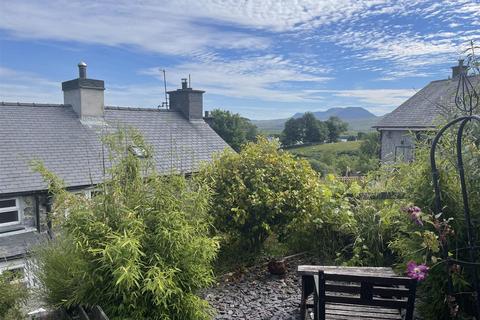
(71, 147)
(427, 108)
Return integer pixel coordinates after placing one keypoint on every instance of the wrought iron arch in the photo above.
(466, 100)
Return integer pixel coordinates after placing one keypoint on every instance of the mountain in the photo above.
(358, 119)
(349, 113)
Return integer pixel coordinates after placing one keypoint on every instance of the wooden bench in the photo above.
(341, 293)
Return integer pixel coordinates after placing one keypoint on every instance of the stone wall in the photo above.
(397, 145)
(29, 216)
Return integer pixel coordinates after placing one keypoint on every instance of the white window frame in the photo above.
(17, 208)
(21, 265)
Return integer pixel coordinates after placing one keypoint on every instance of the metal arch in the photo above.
(438, 203)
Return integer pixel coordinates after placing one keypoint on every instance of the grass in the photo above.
(312, 151)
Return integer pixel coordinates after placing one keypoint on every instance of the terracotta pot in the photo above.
(277, 267)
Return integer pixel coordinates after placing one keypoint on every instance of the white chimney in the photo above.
(86, 96)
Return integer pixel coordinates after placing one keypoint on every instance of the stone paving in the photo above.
(255, 294)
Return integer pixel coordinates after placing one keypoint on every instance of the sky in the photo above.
(264, 59)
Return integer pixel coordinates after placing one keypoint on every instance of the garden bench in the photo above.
(341, 293)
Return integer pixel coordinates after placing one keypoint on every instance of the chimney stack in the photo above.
(184, 84)
(458, 70)
(187, 101)
(86, 96)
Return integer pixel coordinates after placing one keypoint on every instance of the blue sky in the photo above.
(263, 59)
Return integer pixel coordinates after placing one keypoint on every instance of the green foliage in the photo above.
(340, 158)
(234, 129)
(315, 130)
(141, 248)
(376, 224)
(13, 294)
(370, 146)
(423, 243)
(327, 228)
(335, 128)
(259, 192)
(306, 129)
(293, 132)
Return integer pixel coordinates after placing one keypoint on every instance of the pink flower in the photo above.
(415, 214)
(418, 272)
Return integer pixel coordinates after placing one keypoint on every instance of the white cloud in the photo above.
(269, 50)
(379, 101)
(251, 77)
(381, 97)
(28, 87)
(151, 26)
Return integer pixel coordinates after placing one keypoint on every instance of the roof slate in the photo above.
(71, 148)
(427, 108)
(17, 244)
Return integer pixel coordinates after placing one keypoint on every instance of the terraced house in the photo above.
(67, 139)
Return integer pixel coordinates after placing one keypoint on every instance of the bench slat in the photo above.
(375, 302)
(355, 289)
(358, 308)
(313, 270)
(354, 312)
(377, 280)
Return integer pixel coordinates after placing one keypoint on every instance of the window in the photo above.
(9, 212)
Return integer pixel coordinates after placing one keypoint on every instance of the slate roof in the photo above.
(17, 244)
(72, 149)
(427, 108)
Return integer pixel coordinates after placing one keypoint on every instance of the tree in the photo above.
(293, 132)
(335, 128)
(315, 130)
(370, 146)
(141, 248)
(234, 129)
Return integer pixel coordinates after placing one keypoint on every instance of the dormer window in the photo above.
(9, 212)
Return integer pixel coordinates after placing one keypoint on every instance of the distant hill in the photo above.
(350, 113)
(358, 119)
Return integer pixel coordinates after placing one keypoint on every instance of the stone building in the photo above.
(423, 112)
(67, 139)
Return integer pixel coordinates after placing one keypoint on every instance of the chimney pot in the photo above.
(184, 83)
(82, 70)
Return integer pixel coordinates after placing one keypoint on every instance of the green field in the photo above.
(340, 158)
(313, 151)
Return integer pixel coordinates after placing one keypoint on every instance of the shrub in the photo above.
(259, 191)
(265, 191)
(375, 225)
(13, 295)
(140, 248)
(328, 228)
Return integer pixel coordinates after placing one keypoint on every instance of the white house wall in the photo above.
(397, 145)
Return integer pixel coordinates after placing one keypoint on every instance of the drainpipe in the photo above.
(49, 210)
(37, 212)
